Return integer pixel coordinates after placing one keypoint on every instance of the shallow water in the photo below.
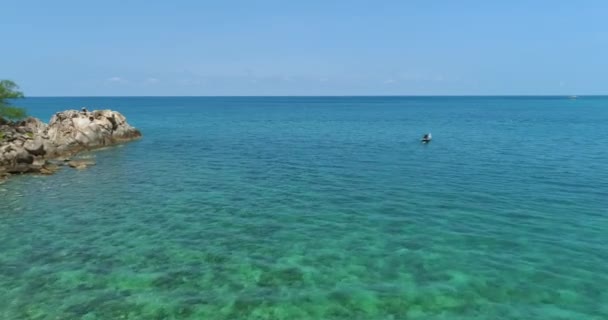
(319, 208)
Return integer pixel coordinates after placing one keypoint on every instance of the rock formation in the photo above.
(27, 146)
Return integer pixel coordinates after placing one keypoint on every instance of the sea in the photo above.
(318, 208)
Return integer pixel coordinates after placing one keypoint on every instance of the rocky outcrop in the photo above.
(29, 145)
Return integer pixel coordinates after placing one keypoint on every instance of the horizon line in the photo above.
(322, 96)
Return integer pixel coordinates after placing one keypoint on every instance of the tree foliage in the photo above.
(9, 91)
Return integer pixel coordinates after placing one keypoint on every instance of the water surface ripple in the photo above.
(319, 208)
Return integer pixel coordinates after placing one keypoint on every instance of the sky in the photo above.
(312, 47)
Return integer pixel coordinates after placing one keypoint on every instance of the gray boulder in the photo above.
(72, 131)
(35, 147)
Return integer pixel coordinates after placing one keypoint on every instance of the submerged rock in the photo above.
(32, 146)
(81, 164)
(4, 176)
(48, 169)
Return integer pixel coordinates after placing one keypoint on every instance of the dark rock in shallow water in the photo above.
(31, 145)
(49, 169)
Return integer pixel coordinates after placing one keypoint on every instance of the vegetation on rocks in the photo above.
(10, 91)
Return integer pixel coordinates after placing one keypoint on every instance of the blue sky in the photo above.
(81, 48)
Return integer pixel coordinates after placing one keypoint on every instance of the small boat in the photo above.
(427, 138)
(572, 97)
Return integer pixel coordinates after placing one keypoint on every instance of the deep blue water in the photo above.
(319, 208)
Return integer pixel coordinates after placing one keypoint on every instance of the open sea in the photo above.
(318, 208)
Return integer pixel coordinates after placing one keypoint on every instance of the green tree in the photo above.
(8, 91)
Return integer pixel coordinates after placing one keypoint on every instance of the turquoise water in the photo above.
(319, 208)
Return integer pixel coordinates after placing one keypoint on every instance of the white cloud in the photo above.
(191, 81)
(151, 81)
(116, 80)
(421, 77)
(389, 81)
